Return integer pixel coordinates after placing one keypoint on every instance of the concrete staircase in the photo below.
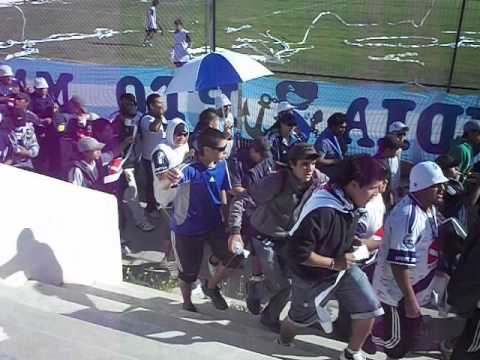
(132, 322)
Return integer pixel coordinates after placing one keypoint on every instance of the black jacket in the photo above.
(327, 230)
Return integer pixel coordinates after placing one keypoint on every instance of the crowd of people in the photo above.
(317, 224)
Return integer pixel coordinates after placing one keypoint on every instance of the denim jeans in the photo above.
(272, 256)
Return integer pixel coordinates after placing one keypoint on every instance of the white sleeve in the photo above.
(401, 235)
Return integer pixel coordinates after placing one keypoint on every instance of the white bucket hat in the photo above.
(424, 175)
(5, 70)
(40, 83)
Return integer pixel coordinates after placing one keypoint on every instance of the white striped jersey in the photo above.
(151, 18)
(410, 239)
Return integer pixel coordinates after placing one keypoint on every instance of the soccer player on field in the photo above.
(151, 26)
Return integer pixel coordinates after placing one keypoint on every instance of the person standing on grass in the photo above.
(151, 25)
(199, 210)
(408, 261)
(181, 43)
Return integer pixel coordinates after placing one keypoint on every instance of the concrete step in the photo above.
(121, 318)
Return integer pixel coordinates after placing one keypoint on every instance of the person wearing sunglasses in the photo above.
(281, 136)
(408, 260)
(198, 211)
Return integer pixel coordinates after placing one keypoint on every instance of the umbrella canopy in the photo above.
(214, 70)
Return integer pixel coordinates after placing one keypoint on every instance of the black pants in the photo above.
(467, 346)
(149, 194)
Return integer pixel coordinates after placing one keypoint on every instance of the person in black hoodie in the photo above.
(321, 256)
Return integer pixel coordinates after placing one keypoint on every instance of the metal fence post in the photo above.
(455, 50)
(211, 24)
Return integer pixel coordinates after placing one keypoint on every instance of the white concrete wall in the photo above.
(55, 232)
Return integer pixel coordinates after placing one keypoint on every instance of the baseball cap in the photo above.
(284, 106)
(397, 127)
(87, 143)
(424, 175)
(180, 129)
(471, 126)
(40, 83)
(302, 151)
(5, 70)
(221, 101)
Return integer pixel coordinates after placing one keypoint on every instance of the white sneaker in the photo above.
(348, 355)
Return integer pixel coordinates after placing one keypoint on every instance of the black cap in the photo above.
(302, 151)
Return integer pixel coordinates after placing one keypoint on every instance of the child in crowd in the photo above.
(181, 43)
(88, 170)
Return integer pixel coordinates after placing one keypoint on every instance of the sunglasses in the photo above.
(219, 149)
(182, 134)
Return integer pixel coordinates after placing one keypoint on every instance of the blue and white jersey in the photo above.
(151, 18)
(198, 201)
(410, 239)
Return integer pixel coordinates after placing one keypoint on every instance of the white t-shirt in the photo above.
(150, 140)
(410, 239)
(370, 224)
(180, 47)
(151, 18)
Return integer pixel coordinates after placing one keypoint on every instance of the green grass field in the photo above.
(324, 50)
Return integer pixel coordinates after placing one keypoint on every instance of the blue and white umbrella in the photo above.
(216, 69)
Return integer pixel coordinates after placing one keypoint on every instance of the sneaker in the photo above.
(348, 355)
(253, 296)
(145, 226)
(214, 295)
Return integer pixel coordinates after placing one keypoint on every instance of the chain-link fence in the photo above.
(380, 40)
(375, 40)
(104, 32)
